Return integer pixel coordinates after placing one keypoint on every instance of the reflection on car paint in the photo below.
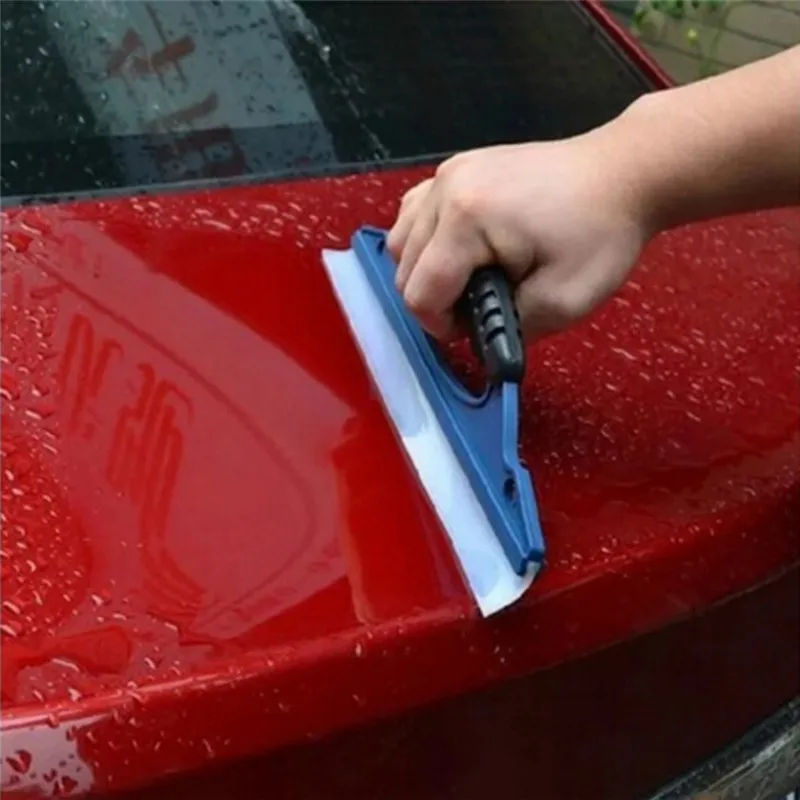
(144, 454)
(47, 759)
(138, 406)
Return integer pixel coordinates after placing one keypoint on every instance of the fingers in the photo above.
(437, 245)
(417, 240)
(409, 207)
(440, 273)
(438, 241)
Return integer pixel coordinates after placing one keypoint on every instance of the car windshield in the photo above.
(131, 95)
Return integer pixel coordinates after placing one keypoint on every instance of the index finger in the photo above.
(409, 206)
(441, 272)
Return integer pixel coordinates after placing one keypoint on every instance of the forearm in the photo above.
(724, 145)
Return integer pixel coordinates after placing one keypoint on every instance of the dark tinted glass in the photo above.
(129, 94)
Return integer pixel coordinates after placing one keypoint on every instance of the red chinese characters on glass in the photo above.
(192, 150)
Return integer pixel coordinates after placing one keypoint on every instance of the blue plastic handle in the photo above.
(483, 430)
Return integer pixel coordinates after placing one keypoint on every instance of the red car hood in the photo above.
(212, 538)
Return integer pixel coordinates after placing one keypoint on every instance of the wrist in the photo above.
(648, 163)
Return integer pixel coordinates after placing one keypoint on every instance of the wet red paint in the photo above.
(202, 496)
(212, 545)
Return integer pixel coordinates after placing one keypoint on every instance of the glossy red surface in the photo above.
(212, 545)
(615, 724)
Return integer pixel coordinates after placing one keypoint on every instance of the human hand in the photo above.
(564, 218)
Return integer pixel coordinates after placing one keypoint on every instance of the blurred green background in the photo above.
(695, 38)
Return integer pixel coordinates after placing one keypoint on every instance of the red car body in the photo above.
(218, 567)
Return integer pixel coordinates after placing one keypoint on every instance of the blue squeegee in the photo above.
(463, 446)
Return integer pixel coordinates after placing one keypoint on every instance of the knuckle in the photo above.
(409, 196)
(420, 302)
(457, 185)
(431, 285)
(448, 166)
(454, 167)
(414, 192)
(417, 302)
(465, 201)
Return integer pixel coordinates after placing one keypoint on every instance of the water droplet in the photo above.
(218, 224)
(11, 629)
(12, 606)
(20, 761)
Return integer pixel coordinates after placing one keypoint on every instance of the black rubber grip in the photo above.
(489, 313)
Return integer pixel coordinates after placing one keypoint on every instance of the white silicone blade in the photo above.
(492, 581)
